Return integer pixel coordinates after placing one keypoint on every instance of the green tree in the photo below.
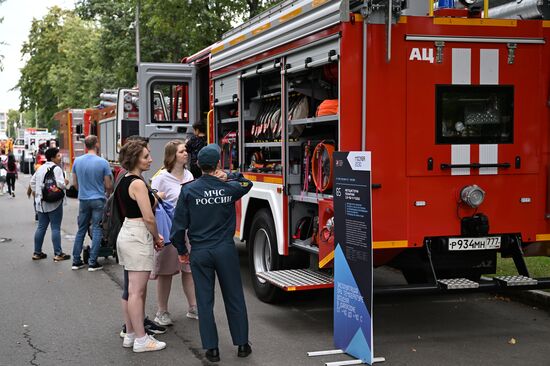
(169, 29)
(61, 70)
(13, 117)
(116, 48)
(75, 79)
(72, 55)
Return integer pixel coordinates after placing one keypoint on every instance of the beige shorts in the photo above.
(135, 246)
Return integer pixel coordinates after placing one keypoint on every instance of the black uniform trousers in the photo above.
(223, 261)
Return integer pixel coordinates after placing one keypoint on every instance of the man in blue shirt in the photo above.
(211, 228)
(92, 178)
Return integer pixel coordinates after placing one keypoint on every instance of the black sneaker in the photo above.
(153, 327)
(123, 331)
(78, 265)
(95, 267)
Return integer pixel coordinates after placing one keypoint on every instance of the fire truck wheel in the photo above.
(263, 255)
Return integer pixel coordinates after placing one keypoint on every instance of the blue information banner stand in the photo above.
(353, 269)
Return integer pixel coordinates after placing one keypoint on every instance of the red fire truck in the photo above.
(74, 126)
(452, 104)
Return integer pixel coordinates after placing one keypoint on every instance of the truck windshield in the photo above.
(474, 114)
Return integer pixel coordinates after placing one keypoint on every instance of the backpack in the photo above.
(112, 219)
(50, 191)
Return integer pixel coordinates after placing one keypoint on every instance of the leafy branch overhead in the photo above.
(73, 55)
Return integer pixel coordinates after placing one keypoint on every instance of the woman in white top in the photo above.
(169, 182)
(49, 213)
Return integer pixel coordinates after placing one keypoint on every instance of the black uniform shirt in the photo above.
(206, 206)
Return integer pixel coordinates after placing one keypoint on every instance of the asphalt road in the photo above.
(54, 316)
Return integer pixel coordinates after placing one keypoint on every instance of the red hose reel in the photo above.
(321, 166)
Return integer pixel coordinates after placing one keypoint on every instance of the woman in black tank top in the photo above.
(132, 210)
(136, 242)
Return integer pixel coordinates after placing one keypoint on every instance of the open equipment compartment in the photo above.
(226, 113)
(312, 97)
(261, 105)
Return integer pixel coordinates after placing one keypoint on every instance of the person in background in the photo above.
(169, 183)
(194, 145)
(3, 173)
(136, 242)
(210, 229)
(49, 213)
(11, 175)
(92, 178)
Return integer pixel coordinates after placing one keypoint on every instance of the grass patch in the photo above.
(537, 266)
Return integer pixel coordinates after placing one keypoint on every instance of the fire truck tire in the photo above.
(263, 255)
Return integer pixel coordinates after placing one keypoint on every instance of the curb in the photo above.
(532, 297)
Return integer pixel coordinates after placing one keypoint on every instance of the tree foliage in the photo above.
(61, 66)
(73, 55)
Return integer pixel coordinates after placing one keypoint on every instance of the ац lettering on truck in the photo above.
(453, 105)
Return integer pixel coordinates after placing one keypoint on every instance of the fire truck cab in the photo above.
(452, 103)
(120, 120)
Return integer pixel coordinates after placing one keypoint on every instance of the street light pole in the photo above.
(138, 49)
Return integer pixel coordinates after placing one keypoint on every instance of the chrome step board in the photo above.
(457, 283)
(305, 245)
(297, 279)
(510, 281)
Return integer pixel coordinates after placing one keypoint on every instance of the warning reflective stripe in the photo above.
(488, 67)
(460, 154)
(488, 75)
(326, 260)
(461, 75)
(316, 3)
(488, 154)
(237, 40)
(260, 29)
(290, 15)
(476, 22)
(217, 49)
(462, 66)
(390, 244)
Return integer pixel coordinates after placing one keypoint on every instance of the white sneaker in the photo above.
(192, 313)
(128, 341)
(151, 344)
(163, 318)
